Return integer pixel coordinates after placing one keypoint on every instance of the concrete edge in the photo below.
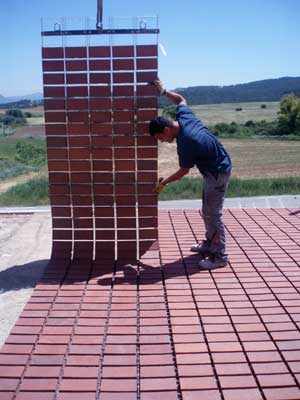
(284, 201)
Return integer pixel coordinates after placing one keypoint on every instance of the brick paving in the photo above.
(160, 328)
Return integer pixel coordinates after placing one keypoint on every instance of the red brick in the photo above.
(237, 394)
(101, 104)
(146, 63)
(124, 116)
(118, 385)
(124, 90)
(121, 372)
(52, 52)
(118, 396)
(76, 52)
(146, 115)
(11, 371)
(56, 116)
(123, 129)
(99, 52)
(56, 129)
(239, 381)
(291, 393)
(76, 65)
(203, 394)
(43, 372)
(54, 91)
(77, 91)
(35, 396)
(158, 384)
(38, 384)
(145, 90)
(198, 383)
(54, 104)
(81, 385)
(123, 104)
(52, 66)
(275, 380)
(147, 102)
(146, 51)
(100, 78)
(100, 91)
(78, 78)
(101, 129)
(17, 348)
(81, 372)
(123, 51)
(99, 65)
(78, 116)
(123, 77)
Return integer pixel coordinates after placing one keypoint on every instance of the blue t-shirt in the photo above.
(196, 145)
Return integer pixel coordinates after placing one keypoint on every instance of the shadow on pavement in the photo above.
(22, 276)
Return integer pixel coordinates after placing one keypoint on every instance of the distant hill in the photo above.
(13, 99)
(265, 90)
(21, 104)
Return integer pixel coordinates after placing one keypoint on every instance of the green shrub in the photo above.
(289, 115)
(30, 154)
(169, 111)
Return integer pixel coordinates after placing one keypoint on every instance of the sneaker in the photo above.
(209, 264)
(203, 248)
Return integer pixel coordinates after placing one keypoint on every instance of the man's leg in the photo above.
(214, 190)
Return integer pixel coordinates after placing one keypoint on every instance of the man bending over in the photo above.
(196, 145)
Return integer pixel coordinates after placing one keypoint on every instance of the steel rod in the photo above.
(99, 32)
(99, 15)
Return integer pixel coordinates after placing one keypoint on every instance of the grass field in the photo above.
(212, 114)
(251, 158)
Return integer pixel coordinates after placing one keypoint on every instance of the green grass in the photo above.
(35, 191)
(191, 188)
(10, 169)
(31, 193)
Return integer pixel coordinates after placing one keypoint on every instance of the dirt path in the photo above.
(8, 183)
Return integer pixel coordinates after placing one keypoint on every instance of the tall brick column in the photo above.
(102, 162)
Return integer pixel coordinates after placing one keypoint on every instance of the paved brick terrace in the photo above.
(162, 329)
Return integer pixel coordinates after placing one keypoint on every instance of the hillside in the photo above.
(265, 90)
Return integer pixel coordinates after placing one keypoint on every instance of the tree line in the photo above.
(259, 91)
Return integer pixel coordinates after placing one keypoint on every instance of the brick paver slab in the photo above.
(160, 328)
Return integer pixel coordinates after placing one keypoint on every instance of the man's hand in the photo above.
(159, 86)
(159, 186)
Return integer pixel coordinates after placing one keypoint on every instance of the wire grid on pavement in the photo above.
(161, 329)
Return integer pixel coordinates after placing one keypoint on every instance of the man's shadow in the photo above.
(46, 272)
(147, 274)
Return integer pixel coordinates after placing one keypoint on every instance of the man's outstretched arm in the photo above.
(174, 98)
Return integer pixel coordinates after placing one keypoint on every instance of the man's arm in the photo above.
(172, 178)
(174, 98)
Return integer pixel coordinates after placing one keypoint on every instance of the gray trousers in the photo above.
(214, 189)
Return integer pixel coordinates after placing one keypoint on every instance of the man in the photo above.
(196, 145)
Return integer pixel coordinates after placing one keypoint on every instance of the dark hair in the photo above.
(158, 124)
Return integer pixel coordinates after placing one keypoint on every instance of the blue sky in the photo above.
(216, 42)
